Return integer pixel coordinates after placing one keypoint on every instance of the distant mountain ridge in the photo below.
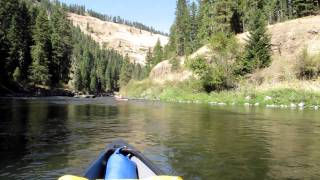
(81, 10)
(125, 39)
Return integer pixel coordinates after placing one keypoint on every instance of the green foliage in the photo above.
(217, 73)
(15, 38)
(138, 72)
(17, 75)
(93, 81)
(191, 91)
(194, 27)
(305, 7)
(77, 80)
(222, 10)
(126, 72)
(212, 78)
(39, 73)
(39, 70)
(175, 63)
(157, 53)
(38, 49)
(182, 28)
(308, 66)
(61, 47)
(258, 48)
(153, 57)
(205, 18)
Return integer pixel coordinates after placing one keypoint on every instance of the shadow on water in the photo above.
(43, 138)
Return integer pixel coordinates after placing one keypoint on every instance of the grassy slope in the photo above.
(187, 92)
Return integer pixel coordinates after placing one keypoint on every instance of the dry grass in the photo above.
(298, 85)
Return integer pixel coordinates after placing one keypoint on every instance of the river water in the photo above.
(44, 138)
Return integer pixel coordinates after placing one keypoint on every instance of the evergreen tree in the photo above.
(15, 46)
(61, 47)
(138, 73)
(93, 81)
(280, 10)
(170, 48)
(108, 78)
(222, 14)
(194, 27)
(77, 80)
(206, 28)
(126, 72)
(26, 26)
(149, 63)
(258, 48)
(39, 71)
(157, 54)
(85, 69)
(15, 37)
(182, 28)
(304, 7)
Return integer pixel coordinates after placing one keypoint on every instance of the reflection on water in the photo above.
(48, 137)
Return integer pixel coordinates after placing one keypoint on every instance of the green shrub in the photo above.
(308, 66)
(218, 72)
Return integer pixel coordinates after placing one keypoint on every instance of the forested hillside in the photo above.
(224, 51)
(195, 24)
(39, 46)
(216, 23)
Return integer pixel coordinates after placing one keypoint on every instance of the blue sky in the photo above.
(156, 13)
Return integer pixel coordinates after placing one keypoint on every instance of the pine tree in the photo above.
(222, 14)
(15, 46)
(93, 80)
(280, 10)
(170, 48)
(258, 48)
(126, 72)
(77, 80)
(39, 71)
(303, 8)
(108, 78)
(149, 63)
(182, 28)
(26, 26)
(61, 47)
(194, 27)
(206, 28)
(16, 37)
(85, 69)
(157, 54)
(137, 72)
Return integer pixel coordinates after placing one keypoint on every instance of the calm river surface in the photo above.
(48, 137)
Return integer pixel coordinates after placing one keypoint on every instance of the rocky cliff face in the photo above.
(123, 38)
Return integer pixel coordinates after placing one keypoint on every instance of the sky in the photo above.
(156, 13)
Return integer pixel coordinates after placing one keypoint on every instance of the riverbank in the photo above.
(296, 94)
(15, 90)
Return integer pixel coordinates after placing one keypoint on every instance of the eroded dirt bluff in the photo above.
(125, 39)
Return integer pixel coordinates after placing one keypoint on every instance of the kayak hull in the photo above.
(145, 167)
